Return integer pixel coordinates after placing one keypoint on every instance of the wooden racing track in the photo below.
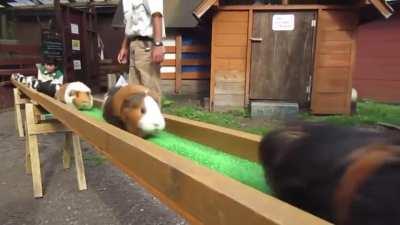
(200, 195)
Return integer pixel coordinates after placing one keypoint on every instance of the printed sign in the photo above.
(77, 64)
(74, 28)
(52, 45)
(76, 45)
(283, 22)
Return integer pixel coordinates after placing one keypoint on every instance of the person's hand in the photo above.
(157, 54)
(123, 56)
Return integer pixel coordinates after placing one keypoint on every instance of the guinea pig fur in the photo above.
(21, 78)
(76, 94)
(133, 109)
(35, 84)
(48, 88)
(347, 176)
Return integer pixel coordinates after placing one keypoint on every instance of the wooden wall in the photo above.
(377, 70)
(334, 60)
(228, 59)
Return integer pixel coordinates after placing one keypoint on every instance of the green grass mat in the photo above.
(244, 171)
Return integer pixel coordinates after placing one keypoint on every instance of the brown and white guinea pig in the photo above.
(48, 88)
(348, 176)
(132, 108)
(77, 94)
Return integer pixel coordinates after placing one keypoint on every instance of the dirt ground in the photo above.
(112, 198)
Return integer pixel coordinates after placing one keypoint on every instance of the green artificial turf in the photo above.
(244, 171)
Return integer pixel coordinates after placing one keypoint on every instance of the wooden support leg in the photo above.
(32, 145)
(28, 166)
(67, 150)
(80, 168)
(18, 114)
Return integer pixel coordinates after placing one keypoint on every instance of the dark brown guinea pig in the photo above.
(348, 176)
(132, 108)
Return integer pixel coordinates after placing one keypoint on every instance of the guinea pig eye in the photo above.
(143, 110)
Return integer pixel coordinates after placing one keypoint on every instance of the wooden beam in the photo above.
(174, 179)
(203, 7)
(383, 7)
(178, 63)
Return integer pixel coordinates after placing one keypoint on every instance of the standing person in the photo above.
(144, 30)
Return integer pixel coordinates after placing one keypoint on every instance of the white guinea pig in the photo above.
(76, 94)
(133, 109)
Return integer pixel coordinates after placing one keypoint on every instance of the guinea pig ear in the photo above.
(155, 96)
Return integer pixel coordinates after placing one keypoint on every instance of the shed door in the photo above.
(282, 56)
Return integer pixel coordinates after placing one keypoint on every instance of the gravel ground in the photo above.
(112, 197)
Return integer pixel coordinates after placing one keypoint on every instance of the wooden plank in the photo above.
(338, 19)
(341, 35)
(79, 165)
(195, 48)
(290, 7)
(332, 80)
(174, 179)
(231, 16)
(389, 125)
(18, 114)
(230, 40)
(178, 62)
(248, 59)
(330, 103)
(32, 148)
(170, 49)
(25, 71)
(335, 47)
(49, 127)
(20, 49)
(195, 62)
(187, 76)
(334, 60)
(230, 52)
(231, 28)
(190, 88)
(20, 61)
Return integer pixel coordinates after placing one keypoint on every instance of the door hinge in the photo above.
(313, 23)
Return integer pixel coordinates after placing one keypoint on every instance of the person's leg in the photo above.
(147, 71)
(133, 77)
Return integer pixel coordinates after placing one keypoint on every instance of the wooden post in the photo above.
(4, 27)
(67, 151)
(18, 114)
(33, 152)
(178, 63)
(80, 169)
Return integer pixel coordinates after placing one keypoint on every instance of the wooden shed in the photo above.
(299, 53)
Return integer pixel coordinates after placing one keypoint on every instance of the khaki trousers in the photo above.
(142, 70)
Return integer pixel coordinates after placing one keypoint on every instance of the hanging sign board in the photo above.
(76, 45)
(77, 64)
(51, 45)
(74, 28)
(283, 22)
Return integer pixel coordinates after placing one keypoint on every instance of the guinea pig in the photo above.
(348, 176)
(35, 84)
(48, 88)
(132, 108)
(76, 94)
(21, 78)
(15, 76)
(29, 80)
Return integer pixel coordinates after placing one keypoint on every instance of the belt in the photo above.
(141, 38)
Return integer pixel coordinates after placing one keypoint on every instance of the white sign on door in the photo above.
(283, 22)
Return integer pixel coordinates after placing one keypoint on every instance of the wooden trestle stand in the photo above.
(36, 122)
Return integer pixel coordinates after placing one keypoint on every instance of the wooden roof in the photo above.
(381, 5)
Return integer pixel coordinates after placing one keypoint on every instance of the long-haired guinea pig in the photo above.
(133, 109)
(48, 88)
(348, 176)
(76, 94)
(16, 76)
